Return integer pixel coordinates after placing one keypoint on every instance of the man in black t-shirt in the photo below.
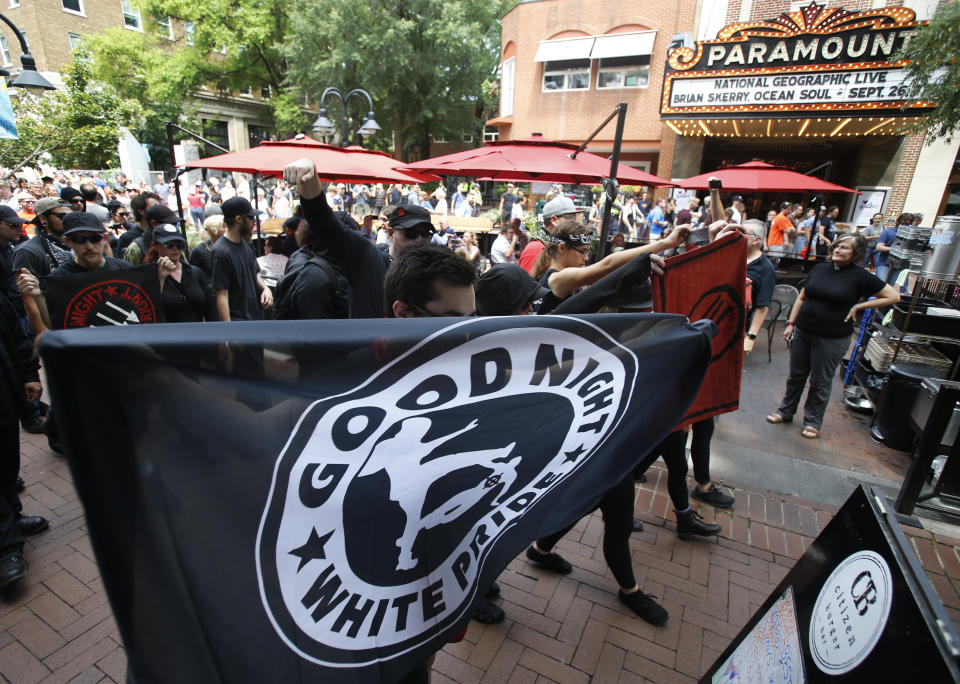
(507, 201)
(241, 293)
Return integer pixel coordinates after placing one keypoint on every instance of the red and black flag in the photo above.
(342, 530)
(114, 298)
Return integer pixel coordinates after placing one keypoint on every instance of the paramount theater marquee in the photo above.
(812, 62)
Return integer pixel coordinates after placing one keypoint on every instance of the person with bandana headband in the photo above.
(561, 266)
(46, 250)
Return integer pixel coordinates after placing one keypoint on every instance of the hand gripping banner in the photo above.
(343, 530)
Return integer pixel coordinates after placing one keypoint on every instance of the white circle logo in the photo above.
(851, 612)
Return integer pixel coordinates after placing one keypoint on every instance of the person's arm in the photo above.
(885, 297)
(266, 296)
(223, 304)
(501, 202)
(716, 205)
(165, 267)
(794, 312)
(508, 252)
(473, 253)
(883, 246)
(563, 283)
(34, 303)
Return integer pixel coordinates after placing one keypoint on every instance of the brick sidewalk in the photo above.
(56, 625)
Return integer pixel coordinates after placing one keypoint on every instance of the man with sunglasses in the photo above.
(362, 263)
(46, 250)
(84, 234)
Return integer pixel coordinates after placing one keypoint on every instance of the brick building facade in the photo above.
(556, 55)
(53, 28)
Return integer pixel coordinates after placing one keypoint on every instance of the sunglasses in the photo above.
(84, 239)
(59, 214)
(175, 245)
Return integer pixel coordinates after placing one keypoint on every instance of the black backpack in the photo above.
(284, 307)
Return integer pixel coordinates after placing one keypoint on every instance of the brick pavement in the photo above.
(56, 625)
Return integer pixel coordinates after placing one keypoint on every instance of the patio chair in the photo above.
(784, 296)
(769, 323)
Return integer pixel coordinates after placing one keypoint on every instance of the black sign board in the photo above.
(129, 296)
(856, 607)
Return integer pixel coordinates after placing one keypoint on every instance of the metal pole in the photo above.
(176, 181)
(256, 205)
(610, 184)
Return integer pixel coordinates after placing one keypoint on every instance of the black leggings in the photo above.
(617, 509)
(673, 451)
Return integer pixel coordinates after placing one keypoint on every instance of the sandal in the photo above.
(810, 432)
(777, 418)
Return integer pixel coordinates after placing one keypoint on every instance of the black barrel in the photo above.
(892, 426)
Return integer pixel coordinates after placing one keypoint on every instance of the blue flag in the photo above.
(8, 123)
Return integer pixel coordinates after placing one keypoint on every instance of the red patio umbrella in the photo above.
(758, 176)
(532, 159)
(333, 163)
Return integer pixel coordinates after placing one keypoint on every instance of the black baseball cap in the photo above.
(10, 216)
(81, 222)
(410, 217)
(504, 289)
(162, 214)
(237, 206)
(167, 233)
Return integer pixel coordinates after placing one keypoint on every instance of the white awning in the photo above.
(623, 45)
(564, 49)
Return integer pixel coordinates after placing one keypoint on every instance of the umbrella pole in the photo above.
(610, 184)
(256, 205)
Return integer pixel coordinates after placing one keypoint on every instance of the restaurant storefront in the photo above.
(817, 89)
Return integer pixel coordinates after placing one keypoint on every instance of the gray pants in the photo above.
(818, 358)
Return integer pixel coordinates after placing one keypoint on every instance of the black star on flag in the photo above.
(572, 456)
(313, 549)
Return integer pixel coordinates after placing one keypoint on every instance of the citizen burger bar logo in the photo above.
(851, 612)
(387, 500)
(111, 302)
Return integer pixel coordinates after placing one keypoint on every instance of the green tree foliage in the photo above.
(934, 70)
(424, 62)
(77, 125)
(233, 46)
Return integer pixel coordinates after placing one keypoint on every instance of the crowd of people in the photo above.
(388, 251)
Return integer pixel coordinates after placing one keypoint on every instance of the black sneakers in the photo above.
(714, 496)
(31, 524)
(645, 607)
(549, 561)
(691, 523)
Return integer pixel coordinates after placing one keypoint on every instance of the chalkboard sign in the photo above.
(856, 607)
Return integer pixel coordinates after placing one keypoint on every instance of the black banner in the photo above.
(344, 532)
(115, 298)
(857, 607)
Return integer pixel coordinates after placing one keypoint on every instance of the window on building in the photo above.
(75, 41)
(266, 92)
(257, 134)
(131, 16)
(506, 86)
(571, 74)
(72, 6)
(164, 26)
(5, 51)
(491, 134)
(437, 140)
(188, 28)
(216, 132)
(624, 72)
(468, 138)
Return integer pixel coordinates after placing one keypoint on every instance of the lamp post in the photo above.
(29, 79)
(368, 126)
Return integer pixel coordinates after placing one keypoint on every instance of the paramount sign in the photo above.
(813, 59)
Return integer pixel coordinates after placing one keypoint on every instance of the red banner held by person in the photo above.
(709, 282)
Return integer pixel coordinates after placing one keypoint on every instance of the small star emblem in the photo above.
(313, 549)
(571, 456)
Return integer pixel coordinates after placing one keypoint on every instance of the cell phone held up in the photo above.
(715, 184)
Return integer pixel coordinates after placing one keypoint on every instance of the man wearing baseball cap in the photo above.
(557, 209)
(46, 250)
(155, 215)
(241, 293)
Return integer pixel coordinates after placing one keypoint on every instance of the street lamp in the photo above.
(324, 126)
(29, 79)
